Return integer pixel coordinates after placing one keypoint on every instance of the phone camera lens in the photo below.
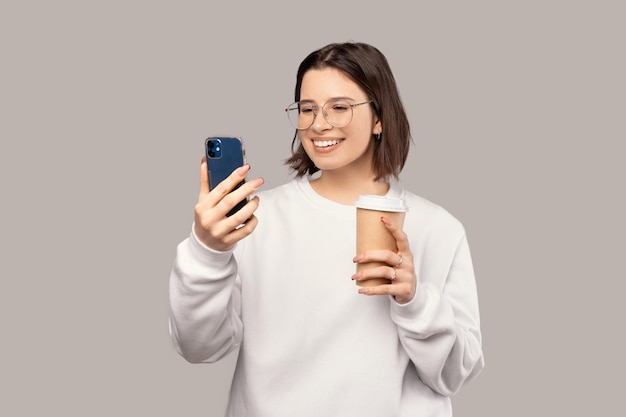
(214, 148)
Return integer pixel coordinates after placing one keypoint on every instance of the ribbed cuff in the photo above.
(415, 308)
(201, 250)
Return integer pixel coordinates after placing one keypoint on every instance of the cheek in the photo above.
(363, 137)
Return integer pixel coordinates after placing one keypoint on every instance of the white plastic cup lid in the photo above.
(381, 203)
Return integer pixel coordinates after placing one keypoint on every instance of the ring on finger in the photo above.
(399, 261)
(394, 274)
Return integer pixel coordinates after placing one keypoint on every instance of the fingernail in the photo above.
(257, 182)
(241, 171)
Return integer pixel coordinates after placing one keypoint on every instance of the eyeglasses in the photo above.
(337, 113)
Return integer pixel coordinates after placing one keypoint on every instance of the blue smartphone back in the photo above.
(224, 154)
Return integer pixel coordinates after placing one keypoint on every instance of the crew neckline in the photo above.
(304, 184)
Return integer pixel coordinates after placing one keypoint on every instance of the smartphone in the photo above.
(224, 154)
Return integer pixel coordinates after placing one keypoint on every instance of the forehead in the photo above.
(320, 85)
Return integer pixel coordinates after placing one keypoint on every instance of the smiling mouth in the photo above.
(326, 143)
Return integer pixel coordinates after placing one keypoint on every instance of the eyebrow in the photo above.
(332, 98)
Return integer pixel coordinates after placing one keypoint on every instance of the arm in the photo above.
(435, 303)
(205, 302)
(205, 295)
(440, 327)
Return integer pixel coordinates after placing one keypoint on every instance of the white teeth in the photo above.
(325, 143)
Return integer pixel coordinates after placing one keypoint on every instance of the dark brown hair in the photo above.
(369, 69)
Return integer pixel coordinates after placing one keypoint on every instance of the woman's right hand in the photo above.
(211, 225)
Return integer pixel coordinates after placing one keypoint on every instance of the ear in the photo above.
(378, 128)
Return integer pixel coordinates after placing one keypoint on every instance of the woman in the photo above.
(281, 288)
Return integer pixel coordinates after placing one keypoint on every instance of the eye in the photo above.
(307, 109)
(340, 107)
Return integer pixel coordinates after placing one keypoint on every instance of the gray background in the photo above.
(517, 110)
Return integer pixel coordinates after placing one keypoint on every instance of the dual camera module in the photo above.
(214, 148)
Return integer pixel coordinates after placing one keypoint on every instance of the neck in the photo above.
(345, 189)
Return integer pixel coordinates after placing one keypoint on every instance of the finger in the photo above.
(400, 260)
(382, 271)
(227, 185)
(385, 289)
(402, 241)
(401, 292)
(242, 217)
(244, 214)
(222, 224)
(241, 232)
(220, 232)
(204, 177)
(234, 197)
(385, 256)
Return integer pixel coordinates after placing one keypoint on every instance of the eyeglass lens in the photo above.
(338, 113)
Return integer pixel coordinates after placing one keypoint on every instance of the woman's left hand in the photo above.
(399, 268)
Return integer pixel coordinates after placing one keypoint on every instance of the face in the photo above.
(348, 148)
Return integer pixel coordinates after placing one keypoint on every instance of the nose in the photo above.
(319, 121)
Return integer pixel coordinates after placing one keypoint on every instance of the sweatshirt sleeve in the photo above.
(205, 302)
(440, 327)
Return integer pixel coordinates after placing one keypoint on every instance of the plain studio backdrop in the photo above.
(518, 120)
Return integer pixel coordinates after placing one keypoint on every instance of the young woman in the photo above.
(282, 288)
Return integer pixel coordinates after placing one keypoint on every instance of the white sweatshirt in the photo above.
(310, 345)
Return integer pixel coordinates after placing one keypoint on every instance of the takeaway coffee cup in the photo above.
(371, 233)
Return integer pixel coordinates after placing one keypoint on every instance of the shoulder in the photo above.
(431, 218)
(282, 200)
(284, 192)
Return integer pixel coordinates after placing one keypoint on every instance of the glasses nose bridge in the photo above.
(317, 110)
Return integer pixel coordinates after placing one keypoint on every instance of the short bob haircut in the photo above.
(369, 69)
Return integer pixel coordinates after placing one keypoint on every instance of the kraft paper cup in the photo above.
(371, 233)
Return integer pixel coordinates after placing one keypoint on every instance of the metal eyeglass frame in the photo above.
(296, 105)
